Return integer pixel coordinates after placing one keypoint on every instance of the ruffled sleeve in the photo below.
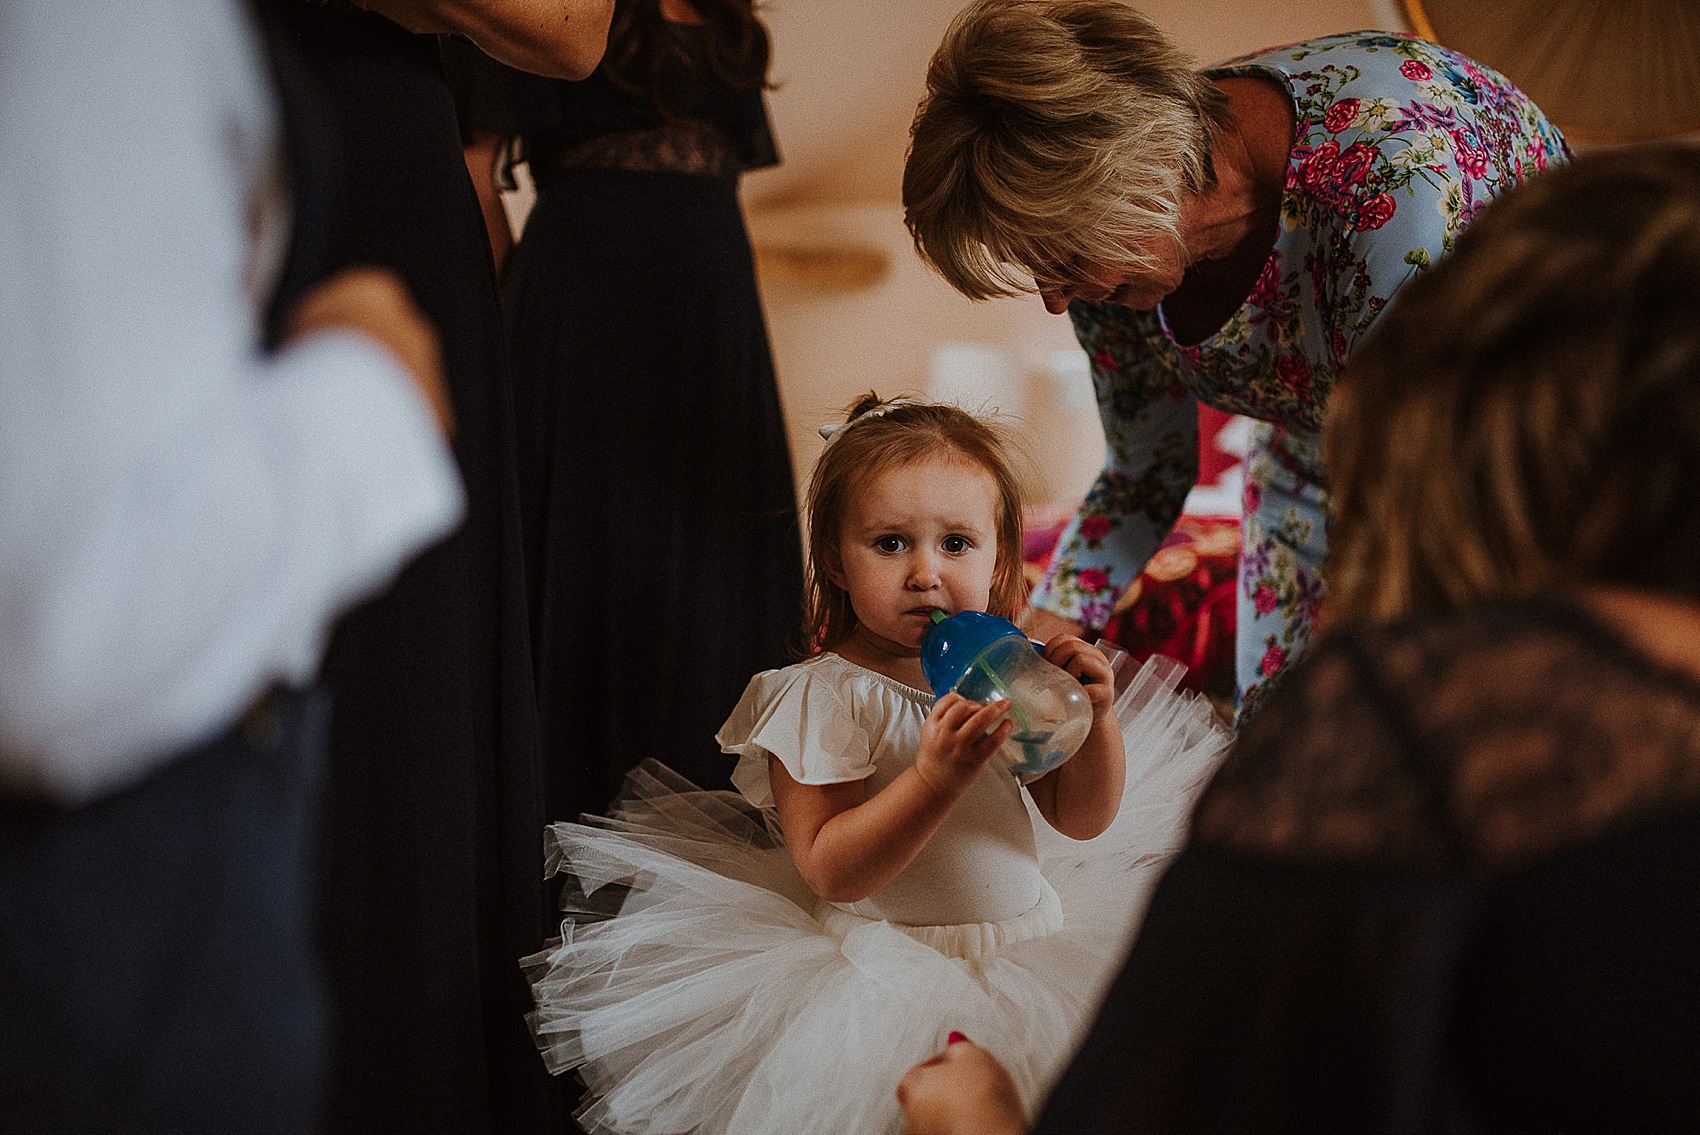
(803, 715)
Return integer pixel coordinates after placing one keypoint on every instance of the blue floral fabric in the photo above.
(1398, 142)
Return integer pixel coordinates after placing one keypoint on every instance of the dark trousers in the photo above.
(155, 969)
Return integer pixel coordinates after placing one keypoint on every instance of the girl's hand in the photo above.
(1081, 797)
(1088, 664)
(957, 739)
(1045, 625)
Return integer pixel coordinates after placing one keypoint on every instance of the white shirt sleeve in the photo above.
(181, 516)
(809, 716)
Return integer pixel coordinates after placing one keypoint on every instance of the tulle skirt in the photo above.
(723, 997)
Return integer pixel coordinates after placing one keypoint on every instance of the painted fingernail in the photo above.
(954, 1038)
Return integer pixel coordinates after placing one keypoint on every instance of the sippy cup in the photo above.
(984, 658)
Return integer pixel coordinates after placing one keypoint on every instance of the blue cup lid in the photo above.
(952, 644)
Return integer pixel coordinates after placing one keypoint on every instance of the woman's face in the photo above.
(1207, 230)
(1100, 283)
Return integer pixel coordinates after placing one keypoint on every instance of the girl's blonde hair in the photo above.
(881, 435)
(1053, 130)
(1526, 416)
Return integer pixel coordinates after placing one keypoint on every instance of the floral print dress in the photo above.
(1398, 142)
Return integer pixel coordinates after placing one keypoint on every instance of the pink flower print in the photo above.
(1375, 212)
(1340, 115)
(1354, 165)
(1415, 70)
(1337, 342)
(1268, 284)
(1472, 159)
(1319, 167)
(1263, 598)
(1093, 580)
(1294, 371)
(1272, 660)
(1095, 612)
(1296, 162)
(1253, 497)
(1094, 528)
(1104, 359)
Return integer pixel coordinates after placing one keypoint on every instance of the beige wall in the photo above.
(850, 74)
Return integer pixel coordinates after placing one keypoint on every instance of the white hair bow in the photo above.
(833, 430)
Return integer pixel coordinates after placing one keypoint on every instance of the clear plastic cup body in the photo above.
(1049, 710)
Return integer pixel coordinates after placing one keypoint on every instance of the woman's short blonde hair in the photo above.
(1050, 131)
(1526, 415)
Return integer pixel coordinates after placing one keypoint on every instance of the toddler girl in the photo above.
(773, 960)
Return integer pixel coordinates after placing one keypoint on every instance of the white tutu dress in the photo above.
(724, 998)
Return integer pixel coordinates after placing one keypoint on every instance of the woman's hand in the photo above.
(374, 302)
(961, 1091)
(957, 739)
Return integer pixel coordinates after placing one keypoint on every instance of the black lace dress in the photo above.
(1446, 882)
(657, 497)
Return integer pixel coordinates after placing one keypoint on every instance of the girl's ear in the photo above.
(833, 564)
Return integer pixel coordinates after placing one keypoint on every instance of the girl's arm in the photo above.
(1081, 796)
(847, 844)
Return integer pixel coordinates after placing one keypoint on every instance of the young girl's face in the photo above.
(918, 537)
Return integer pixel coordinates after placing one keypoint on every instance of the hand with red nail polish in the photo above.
(961, 1091)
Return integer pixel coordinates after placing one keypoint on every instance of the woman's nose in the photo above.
(1056, 297)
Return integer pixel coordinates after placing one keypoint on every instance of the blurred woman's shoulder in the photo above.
(1477, 738)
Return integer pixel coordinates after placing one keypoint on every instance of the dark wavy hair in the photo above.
(1526, 415)
(641, 46)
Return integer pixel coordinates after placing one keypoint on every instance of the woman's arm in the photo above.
(563, 39)
(847, 845)
(1151, 462)
(1080, 797)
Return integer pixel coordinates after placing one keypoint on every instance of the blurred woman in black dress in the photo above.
(431, 877)
(658, 503)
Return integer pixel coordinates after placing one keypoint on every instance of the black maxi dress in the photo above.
(659, 509)
(432, 877)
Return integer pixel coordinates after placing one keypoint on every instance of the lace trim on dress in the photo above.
(680, 146)
(1478, 740)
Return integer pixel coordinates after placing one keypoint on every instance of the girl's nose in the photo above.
(923, 574)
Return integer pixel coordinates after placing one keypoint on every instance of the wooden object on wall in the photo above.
(831, 267)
